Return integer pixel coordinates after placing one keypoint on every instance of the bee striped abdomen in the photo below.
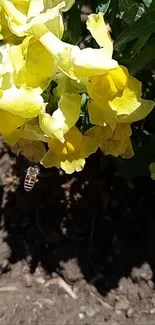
(30, 178)
(29, 183)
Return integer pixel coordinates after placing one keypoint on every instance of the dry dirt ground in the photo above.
(78, 249)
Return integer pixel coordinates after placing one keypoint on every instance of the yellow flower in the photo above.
(22, 16)
(18, 102)
(115, 97)
(29, 131)
(67, 85)
(113, 143)
(73, 61)
(70, 155)
(63, 119)
(28, 140)
(38, 65)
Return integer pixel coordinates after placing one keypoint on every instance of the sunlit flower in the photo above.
(115, 142)
(73, 61)
(70, 155)
(17, 102)
(115, 97)
(22, 16)
(63, 119)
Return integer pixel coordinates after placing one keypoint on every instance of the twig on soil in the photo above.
(102, 302)
(62, 284)
(11, 288)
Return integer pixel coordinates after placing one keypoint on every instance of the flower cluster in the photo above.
(42, 125)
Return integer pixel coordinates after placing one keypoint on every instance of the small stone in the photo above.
(27, 298)
(122, 304)
(118, 315)
(40, 280)
(129, 312)
(81, 316)
(152, 311)
(27, 280)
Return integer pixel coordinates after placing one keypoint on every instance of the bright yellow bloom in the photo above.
(29, 131)
(63, 119)
(70, 155)
(115, 97)
(113, 143)
(22, 16)
(28, 140)
(17, 102)
(73, 61)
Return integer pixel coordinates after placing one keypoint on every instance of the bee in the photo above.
(31, 177)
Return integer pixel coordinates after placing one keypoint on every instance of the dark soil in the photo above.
(76, 250)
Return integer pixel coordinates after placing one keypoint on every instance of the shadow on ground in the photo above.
(104, 222)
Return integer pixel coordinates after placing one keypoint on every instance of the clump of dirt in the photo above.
(77, 249)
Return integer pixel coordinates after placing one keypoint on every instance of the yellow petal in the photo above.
(35, 7)
(101, 114)
(32, 150)
(128, 153)
(73, 61)
(120, 77)
(98, 29)
(39, 66)
(67, 85)
(13, 137)
(32, 131)
(121, 131)
(50, 159)
(101, 87)
(26, 103)
(88, 147)
(70, 104)
(142, 111)
(73, 166)
(129, 100)
(52, 126)
(9, 122)
(52, 18)
(63, 118)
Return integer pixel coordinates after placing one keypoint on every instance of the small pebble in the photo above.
(81, 316)
(122, 304)
(40, 280)
(129, 312)
(27, 298)
(27, 280)
(152, 311)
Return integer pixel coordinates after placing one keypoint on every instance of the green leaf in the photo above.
(131, 11)
(144, 26)
(74, 26)
(143, 58)
(147, 3)
(139, 44)
(103, 6)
